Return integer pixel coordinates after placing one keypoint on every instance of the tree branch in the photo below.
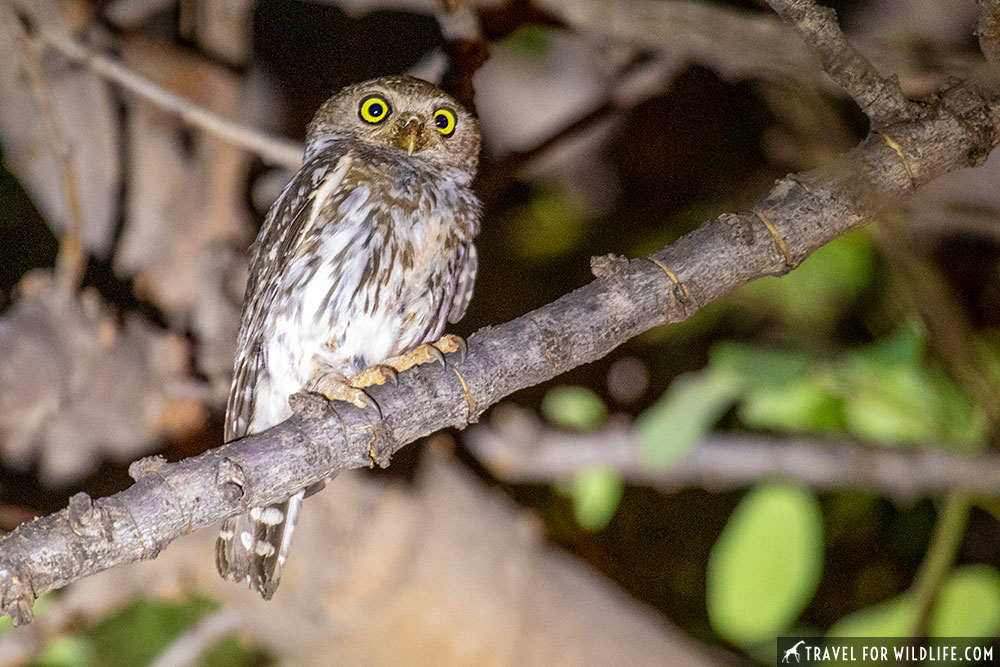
(517, 447)
(988, 30)
(799, 215)
(70, 262)
(272, 149)
(881, 99)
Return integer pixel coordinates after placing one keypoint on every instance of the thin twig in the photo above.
(517, 447)
(197, 640)
(694, 31)
(880, 98)
(272, 149)
(637, 84)
(952, 520)
(988, 30)
(70, 262)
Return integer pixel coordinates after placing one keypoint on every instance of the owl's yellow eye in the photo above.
(374, 109)
(444, 120)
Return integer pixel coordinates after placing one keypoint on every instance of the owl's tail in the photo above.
(252, 547)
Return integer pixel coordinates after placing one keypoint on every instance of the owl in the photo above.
(366, 255)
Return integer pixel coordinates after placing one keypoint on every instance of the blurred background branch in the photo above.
(274, 150)
(518, 448)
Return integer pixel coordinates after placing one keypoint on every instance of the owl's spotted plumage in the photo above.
(365, 255)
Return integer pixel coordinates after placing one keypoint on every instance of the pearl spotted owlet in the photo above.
(365, 256)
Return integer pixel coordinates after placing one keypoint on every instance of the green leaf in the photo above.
(969, 603)
(672, 427)
(67, 651)
(803, 405)
(140, 631)
(760, 366)
(552, 225)
(893, 618)
(967, 606)
(574, 407)
(892, 396)
(781, 390)
(814, 295)
(596, 494)
(766, 564)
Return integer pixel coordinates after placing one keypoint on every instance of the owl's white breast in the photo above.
(345, 318)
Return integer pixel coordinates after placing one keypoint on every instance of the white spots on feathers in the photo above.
(246, 539)
(272, 516)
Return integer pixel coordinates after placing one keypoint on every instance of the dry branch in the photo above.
(70, 262)
(799, 215)
(274, 150)
(988, 29)
(518, 448)
(880, 98)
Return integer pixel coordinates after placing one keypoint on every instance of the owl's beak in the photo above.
(408, 136)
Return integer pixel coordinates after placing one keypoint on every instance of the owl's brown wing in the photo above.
(239, 407)
(467, 264)
(270, 253)
(252, 546)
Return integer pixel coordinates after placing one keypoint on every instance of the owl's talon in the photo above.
(434, 354)
(374, 404)
(463, 348)
(390, 374)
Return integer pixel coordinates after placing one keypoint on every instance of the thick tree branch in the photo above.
(799, 215)
(519, 448)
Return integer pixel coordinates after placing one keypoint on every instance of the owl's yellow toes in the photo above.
(373, 375)
(335, 387)
(451, 343)
(388, 369)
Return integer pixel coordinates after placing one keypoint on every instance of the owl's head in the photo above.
(403, 114)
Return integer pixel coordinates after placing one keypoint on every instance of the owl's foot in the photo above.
(335, 387)
(422, 354)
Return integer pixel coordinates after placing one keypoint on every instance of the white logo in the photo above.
(793, 651)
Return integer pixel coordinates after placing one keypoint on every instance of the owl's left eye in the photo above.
(444, 120)
(374, 109)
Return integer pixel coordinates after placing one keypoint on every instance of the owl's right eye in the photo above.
(374, 109)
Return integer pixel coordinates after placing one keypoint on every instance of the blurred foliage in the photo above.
(595, 493)
(670, 429)
(811, 298)
(967, 606)
(766, 564)
(888, 392)
(549, 227)
(137, 633)
(576, 408)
